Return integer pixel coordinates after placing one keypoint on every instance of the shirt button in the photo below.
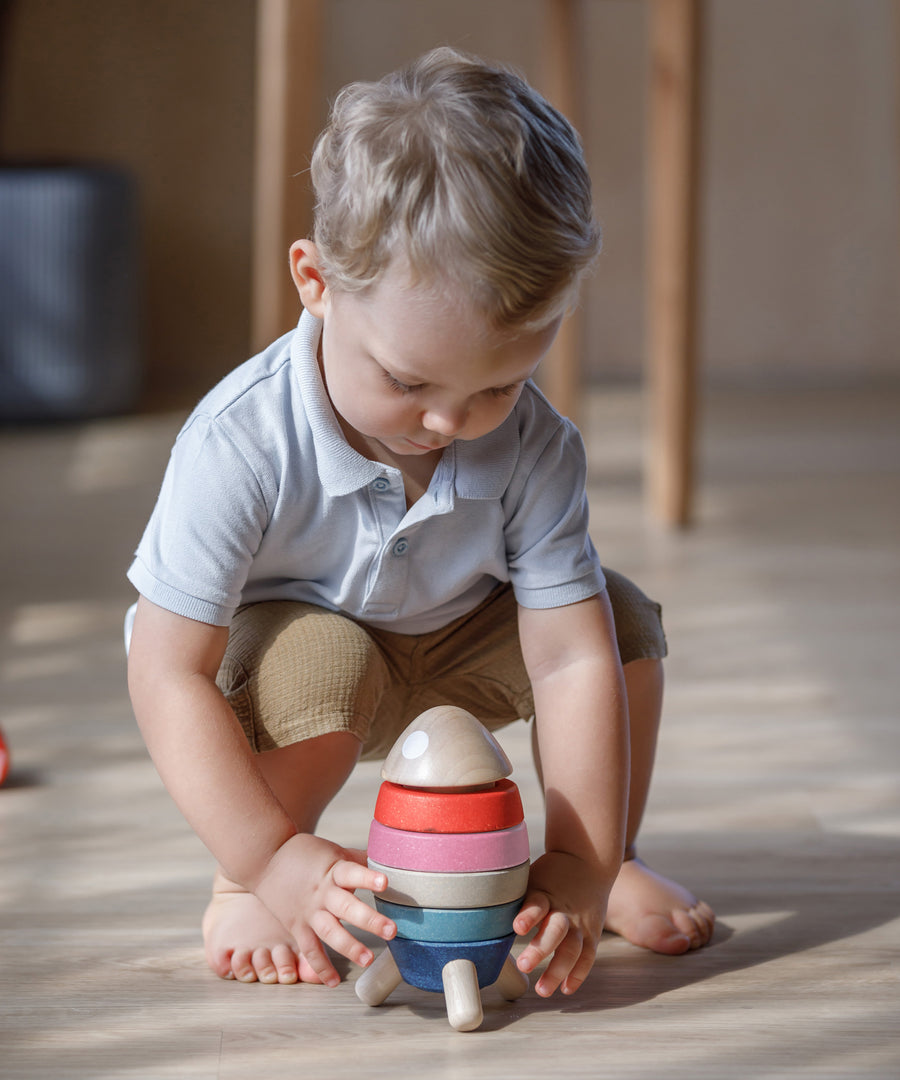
(381, 484)
(401, 546)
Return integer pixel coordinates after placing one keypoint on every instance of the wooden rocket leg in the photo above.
(462, 995)
(512, 983)
(380, 979)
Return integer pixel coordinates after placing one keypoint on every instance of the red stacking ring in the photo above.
(500, 807)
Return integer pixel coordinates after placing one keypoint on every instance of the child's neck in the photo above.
(417, 473)
(417, 469)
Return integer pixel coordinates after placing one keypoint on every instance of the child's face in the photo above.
(409, 369)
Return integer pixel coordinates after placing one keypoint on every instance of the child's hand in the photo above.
(308, 885)
(566, 900)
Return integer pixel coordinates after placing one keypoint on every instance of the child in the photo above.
(380, 513)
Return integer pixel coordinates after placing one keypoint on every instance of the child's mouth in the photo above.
(425, 448)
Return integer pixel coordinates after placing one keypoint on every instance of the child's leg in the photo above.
(645, 907)
(302, 682)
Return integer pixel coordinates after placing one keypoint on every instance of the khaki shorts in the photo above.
(293, 671)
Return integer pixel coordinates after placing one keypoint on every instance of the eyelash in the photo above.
(403, 388)
(400, 387)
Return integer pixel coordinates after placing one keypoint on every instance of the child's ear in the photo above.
(307, 275)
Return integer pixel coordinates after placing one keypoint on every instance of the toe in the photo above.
(684, 922)
(262, 963)
(285, 961)
(221, 964)
(697, 923)
(242, 965)
(705, 919)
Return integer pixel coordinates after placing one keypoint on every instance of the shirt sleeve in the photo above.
(551, 558)
(208, 522)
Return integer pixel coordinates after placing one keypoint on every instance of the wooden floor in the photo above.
(777, 794)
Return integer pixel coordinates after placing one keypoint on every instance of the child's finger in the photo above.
(352, 875)
(583, 967)
(533, 911)
(565, 958)
(342, 941)
(349, 908)
(314, 951)
(550, 935)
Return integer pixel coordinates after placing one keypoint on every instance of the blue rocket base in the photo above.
(422, 962)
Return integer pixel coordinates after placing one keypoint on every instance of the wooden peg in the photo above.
(380, 979)
(512, 983)
(462, 995)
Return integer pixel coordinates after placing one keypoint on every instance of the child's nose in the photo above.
(447, 420)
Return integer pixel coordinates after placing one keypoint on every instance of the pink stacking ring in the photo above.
(499, 807)
(448, 852)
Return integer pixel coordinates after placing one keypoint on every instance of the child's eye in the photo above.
(504, 391)
(400, 387)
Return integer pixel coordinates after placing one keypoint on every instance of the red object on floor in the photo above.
(4, 759)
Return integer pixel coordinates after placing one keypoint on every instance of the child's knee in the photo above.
(294, 671)
(639, 628)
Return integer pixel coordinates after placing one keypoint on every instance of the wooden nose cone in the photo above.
(446, 747)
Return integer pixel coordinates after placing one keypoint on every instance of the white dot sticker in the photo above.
(415, 745)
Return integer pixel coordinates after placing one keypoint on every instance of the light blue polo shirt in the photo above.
(264, 499)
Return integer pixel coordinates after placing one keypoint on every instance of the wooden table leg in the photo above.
(561, 372)
(672, 256)
(288, 116)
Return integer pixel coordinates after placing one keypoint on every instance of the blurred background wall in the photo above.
(801, 196)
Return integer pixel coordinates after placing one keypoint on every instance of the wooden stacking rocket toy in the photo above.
(449, 834)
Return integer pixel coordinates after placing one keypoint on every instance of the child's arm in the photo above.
(201, 753)
(582, 737)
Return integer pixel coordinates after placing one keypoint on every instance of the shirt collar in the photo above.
(484, 467)
(342, 469)
(481, 468)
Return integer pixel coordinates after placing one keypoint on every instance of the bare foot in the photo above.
(245, 941)
(650, 910)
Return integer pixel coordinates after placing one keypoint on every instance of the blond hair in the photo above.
(463, 170)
